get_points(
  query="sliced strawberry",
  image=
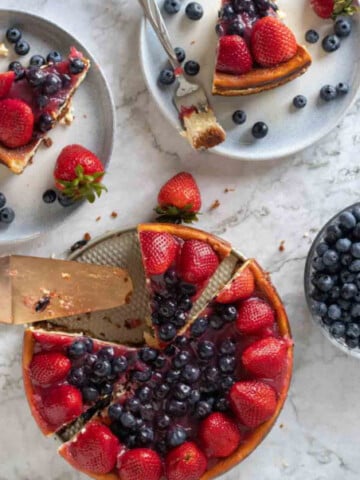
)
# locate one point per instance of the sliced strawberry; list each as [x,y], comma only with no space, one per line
[254,315]
[266,357]
[140,464]
[253,402]
[48,368]
[272,42]
[186,462]
[233,55]
[61,405]
[6,81]
[219,435]
[94,450]
[159,251]
[197,262]
[241,288]
[16,123]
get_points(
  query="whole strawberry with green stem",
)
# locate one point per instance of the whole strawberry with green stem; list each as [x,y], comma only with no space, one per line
[333,8]
[179,200]
[78,173]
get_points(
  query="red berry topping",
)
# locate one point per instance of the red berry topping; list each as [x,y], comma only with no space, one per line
[198,261]
[185,462]
[47,368]
[241,288]
[140,464]
[159,251]
[233,55]
[254,314]
[6,81]
[266,357]
[16,123]
[219,435]
[61,405]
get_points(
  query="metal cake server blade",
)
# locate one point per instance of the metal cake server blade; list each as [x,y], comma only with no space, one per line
[34,289]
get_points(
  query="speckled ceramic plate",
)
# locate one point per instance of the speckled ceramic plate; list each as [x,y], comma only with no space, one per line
[290,130]
[93,127]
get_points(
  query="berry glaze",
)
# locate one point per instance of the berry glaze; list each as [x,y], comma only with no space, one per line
[47,89]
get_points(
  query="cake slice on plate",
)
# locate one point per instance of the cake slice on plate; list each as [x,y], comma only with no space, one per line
[256,50]
[35,103]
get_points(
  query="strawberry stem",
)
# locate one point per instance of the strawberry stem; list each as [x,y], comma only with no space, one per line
[344,7]
[171,214]
[83,186]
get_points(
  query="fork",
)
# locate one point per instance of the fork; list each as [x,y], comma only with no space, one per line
[188,94]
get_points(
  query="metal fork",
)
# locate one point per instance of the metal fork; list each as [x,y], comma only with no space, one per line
[188,94]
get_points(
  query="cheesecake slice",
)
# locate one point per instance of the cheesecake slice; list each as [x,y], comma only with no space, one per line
[239,18]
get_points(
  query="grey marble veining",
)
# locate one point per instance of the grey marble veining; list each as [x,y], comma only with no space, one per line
[317,435]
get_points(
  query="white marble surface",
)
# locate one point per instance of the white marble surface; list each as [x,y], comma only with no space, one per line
[317,435]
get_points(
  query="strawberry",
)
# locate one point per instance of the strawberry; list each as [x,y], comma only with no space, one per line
[219,435]
[6,81]
[233,55]
[61,405]
[78,173]
[253,402]
[179,200]
[94,450]
[272,42]
[159,251]
[254,314]
[333,8]
[16,123]
[265,357]
[241,288]
[140,464]
[197,262]
[185,462]
[47,368]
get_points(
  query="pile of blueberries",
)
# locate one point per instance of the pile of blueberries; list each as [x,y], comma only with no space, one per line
[7,214]
[332,42]
[335,278]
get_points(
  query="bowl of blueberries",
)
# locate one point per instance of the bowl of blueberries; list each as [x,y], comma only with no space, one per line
[332,280]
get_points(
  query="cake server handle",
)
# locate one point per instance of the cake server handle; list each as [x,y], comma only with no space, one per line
[153,14]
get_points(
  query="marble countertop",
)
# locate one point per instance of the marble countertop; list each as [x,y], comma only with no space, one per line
[316,437]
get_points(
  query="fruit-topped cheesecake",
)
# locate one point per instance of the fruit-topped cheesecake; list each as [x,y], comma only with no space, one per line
[32,101]
[256,50]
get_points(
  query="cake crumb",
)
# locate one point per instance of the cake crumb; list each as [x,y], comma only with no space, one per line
[227,190]
[48,142]
[192,42]
[69,116]
[282,246]
[97,219]
[4,51]
[87,237]
[66,276]
[281,425]
[306,235]
[215,205]
[114,214]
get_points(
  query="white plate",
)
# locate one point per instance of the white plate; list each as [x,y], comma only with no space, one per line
[290,130]
[93,128]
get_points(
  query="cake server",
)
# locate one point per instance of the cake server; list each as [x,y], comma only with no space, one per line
[33,289]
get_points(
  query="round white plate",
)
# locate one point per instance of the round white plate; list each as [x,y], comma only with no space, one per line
[290,130]
[93,128]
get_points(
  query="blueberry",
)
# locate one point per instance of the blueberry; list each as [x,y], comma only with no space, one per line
[227,363]
[52,84]
[65,80]
[342,88]
[239,117]
[202,409]
[37,61]
[77,349]
[211,374]
[227,12]
[22,47]
[347,220]
[342,27]
[141,375]
[144,394]
[42,101]
[312,36]
[236,28]
[355,266]
[180,54]
[321,248]
[90,361]
[76,66]
[163,421]
[181,391]
[352,342]
[170,350]
[162,390]
[167,308]
[228,313]
[7,215]
[355,250]
[299,101]
[220,29]
[227,347]
[191,67]
[216,322]
[331,43]
[107,353]
[18,69]
[334,312]
[167,332]
[337,329]
[181,359]
[191,373]
[221,404]
[90,394]
[77,377]
[328,93]
[325,283]
[173,376]
[206,350]
[194,11]
[330,257]
[353,330]
[185,303]
[179,319]
[133,405]
[159,362]
[343,245]
[199,326]
[356,232]
[334,293]
[357,280]
[46,123]
[102,368]
[356,212]
[128,420]
[115,411]
[120,364]
[54,57]
[13,34]
[186,288]
[345,260]
[319,308]
[181,341]
[227,382]
[333,233]
[148,354]
[176,408]
[355,310]
[172,6]
[318,264]
[146,435]
[259,130]
[176,436]
[345,305]
[147,412]
[195,396]
[2,200]
[35,76]
[106,389]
